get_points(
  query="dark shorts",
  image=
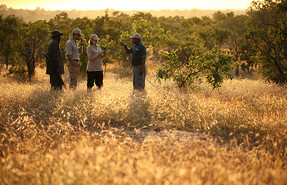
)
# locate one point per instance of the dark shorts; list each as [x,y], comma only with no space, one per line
[95,77]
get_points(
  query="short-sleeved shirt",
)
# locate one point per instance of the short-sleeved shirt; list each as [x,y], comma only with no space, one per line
[95,65]
[138,51]
[72,49]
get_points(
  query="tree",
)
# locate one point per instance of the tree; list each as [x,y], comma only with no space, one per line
[236,26]
[8,35]
[211,34]
[152,33]
[248,53]
[213,66]
[268,33]
[33,42]
[64,24]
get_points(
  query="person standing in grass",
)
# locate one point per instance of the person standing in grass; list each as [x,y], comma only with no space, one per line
[72,54]
[138,51]
[55,66]
[95,64]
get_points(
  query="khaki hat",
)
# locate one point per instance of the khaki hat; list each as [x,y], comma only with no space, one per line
[94,37]
[77,31]
[136,36]
[56,33]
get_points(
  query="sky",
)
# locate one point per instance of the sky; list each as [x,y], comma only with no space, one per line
[126,4]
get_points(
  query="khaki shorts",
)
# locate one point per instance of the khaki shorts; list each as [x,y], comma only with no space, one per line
[138,80]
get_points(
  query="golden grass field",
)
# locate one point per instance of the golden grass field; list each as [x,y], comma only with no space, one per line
[237,135]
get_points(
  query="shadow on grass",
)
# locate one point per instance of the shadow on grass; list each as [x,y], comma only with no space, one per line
[38,106]
[138,114]
[247,135]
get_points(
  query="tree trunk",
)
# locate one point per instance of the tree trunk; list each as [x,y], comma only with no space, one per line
[237,56]
[6,62]
[30,62]
[237,71]
[283,78]
[251,69]
[105,67]
[237,67]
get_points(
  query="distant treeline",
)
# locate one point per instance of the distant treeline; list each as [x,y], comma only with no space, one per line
[42,14]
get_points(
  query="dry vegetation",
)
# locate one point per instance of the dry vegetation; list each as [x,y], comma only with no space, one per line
[114,136]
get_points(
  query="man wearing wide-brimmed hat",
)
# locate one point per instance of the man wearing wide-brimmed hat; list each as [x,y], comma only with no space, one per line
[72,54]
[55,67]
[138,51]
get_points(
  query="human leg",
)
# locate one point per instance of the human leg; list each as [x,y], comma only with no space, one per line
[91,79]
[56,82]
[138,79]
[99,78]
[73,70]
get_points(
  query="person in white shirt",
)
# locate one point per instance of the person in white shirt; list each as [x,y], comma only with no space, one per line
[72,54]
[95,66]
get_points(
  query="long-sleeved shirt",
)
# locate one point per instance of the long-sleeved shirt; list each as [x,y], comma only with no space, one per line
[56,63]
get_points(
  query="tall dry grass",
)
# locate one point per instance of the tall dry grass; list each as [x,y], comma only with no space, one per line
[114,136]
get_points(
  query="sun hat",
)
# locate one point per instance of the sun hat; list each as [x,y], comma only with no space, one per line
[56,33]
[136,36]
[94,37]
[77,31]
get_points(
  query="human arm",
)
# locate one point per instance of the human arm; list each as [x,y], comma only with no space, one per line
[126,48]
[69,58]
[143,57]
[92,56]
[81,47]
[142,65]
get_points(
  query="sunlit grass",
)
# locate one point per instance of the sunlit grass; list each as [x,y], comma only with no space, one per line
[236,135]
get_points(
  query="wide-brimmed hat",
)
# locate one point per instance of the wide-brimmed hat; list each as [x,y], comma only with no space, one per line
[136,36]
[94,37]
[56,33]
[77,31]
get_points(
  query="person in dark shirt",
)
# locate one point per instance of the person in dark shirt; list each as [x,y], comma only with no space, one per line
[55,67]
[138,51]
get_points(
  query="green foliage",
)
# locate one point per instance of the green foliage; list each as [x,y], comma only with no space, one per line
[31,47]
[213,66]
[8,34]
[109,47]
[235,28]
[267,32]
[18,70]
[18,66]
